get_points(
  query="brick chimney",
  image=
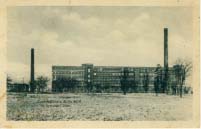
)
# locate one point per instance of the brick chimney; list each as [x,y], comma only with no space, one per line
[165,84]
[32,71]
[165,48]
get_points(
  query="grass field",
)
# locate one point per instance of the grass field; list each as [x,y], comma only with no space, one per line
[104,107]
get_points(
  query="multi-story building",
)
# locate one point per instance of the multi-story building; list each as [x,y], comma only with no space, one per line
[107,77]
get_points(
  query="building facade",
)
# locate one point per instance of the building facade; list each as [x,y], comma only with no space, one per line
[108,78]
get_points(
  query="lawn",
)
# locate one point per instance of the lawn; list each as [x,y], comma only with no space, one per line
[98,107]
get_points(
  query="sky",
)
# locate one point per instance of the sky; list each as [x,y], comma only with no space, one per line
[102,35]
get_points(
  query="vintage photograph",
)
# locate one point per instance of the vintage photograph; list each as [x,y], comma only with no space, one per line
[100,63]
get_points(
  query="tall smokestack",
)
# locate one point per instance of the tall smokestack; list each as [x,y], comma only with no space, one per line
[165,48]
[165,84]
[32,71]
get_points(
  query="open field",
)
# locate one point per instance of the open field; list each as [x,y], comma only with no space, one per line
[104,107]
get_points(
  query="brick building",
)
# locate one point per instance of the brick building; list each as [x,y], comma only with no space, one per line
[108,77]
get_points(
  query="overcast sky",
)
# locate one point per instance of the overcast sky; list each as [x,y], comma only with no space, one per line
[128,36]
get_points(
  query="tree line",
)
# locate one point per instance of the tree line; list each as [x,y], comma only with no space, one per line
[181,70]
[40,85]
[64,85]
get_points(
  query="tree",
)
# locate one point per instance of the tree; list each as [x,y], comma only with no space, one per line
[125,81]
[157,79]
[9,80]
[89,86]
[57,85]
[72,83]
[65,84]
[41,83]
[146,81]
[106,87]
[156,85]
[174,88]
[182,70]
[98,88]
[134,83]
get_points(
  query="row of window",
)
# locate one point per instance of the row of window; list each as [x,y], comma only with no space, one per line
[121,69]
[67,68]
[118,82]
[68,72]
[119,73]
[77,77]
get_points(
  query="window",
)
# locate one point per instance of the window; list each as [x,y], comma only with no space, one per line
[88,76]
[89,70]
[95,74]
[88,80]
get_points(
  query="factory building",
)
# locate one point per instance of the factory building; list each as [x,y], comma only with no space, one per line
[108,76]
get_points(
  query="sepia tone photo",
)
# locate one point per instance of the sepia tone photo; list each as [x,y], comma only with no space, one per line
[100,63]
